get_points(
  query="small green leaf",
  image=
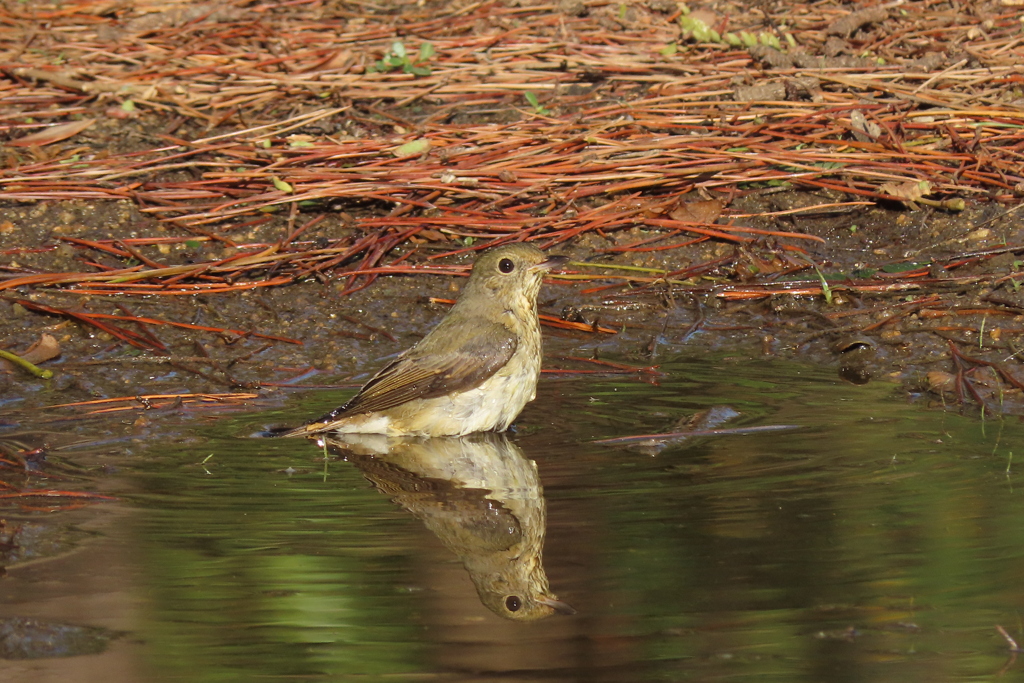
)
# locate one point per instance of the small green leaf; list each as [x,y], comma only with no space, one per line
[418,70]
[192,244]
[128,106]
[426,52]
[265,143]
[282,185]
[398,49]
[669,50]
[409,149]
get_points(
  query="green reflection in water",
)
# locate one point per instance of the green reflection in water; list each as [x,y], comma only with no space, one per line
[878,542]
[260,571]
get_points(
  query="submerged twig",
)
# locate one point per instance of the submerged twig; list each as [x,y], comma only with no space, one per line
[26,365]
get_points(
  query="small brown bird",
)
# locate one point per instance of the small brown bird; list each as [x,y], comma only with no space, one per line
[474,372]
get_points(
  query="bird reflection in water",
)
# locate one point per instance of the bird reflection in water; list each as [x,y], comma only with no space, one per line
[481,497]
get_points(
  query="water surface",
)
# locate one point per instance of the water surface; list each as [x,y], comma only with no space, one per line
[879,540]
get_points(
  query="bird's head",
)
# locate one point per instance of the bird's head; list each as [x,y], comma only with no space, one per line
[510,275]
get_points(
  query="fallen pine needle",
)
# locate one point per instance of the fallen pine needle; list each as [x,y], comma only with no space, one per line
[699,432]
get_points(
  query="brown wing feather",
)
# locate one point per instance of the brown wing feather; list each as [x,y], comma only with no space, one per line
[423,372]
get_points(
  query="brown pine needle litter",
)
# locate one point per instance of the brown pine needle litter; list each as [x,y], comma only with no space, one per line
[422,131]
[614,102]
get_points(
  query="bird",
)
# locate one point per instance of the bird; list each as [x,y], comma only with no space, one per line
[481,497]
[474,372]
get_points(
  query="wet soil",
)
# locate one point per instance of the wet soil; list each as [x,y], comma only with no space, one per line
[885,336]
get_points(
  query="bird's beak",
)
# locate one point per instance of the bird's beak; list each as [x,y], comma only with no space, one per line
[555,604]
[553,263]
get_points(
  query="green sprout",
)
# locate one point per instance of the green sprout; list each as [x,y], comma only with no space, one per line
[825,289]
[699,30]
[538,108]
[1013,282]
[398,58]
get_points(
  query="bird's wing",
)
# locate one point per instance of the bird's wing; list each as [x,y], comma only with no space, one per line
[426,371]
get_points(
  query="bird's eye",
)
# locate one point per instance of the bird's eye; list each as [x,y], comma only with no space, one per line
[506,266]
[512,603]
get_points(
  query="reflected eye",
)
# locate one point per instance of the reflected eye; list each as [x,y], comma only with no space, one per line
[505,265]
[512,603]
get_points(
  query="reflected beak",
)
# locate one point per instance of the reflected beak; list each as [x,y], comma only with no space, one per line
[555,604]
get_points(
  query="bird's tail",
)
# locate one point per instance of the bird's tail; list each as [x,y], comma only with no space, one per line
[304,430]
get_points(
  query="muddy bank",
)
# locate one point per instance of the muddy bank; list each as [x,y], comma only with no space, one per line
[872,324]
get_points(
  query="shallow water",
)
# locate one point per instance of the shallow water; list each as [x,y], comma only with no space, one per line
[877,540]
